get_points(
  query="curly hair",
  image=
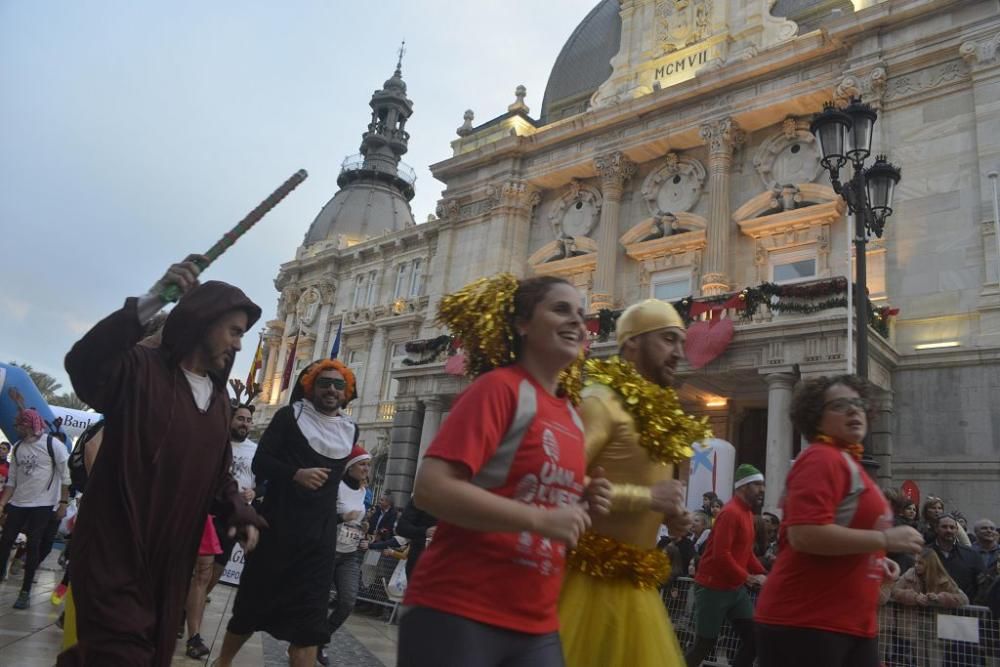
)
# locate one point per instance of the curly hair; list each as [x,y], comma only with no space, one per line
[309,378]
[806,411]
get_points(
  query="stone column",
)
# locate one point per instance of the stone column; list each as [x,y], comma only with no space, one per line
[722,137]
[404,448]
[779,436]
[432,422]
[513,202]
[615,170]
[880,434]
[272,341]
[286,345]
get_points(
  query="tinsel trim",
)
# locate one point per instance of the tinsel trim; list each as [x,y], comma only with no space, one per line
[481,315]
[606,558]
[665,430]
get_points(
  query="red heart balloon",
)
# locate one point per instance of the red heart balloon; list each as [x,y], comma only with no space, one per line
[455,364]
[707,339]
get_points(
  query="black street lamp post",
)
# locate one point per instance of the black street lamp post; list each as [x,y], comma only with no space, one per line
[846,136]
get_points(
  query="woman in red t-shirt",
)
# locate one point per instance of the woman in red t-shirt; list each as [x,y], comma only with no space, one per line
[505,476]
[819,604]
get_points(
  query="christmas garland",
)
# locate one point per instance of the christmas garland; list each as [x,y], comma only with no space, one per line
[428,349]
[806,299]
[665,431]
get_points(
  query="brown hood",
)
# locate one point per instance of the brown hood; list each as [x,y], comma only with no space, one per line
[194,314]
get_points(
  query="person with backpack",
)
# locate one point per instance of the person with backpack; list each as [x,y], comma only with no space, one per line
[505,477]
[285,585]
[36,491]
[819,604]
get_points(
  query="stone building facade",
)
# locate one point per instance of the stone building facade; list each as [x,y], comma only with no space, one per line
[672,157]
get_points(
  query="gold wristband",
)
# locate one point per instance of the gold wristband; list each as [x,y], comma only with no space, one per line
[630,498]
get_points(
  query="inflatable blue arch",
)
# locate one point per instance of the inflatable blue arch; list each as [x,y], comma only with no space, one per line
[18,391]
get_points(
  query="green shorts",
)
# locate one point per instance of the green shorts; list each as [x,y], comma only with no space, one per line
[712,608]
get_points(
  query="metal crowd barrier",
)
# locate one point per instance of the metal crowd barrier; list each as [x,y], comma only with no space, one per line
[375,578]
[908,636]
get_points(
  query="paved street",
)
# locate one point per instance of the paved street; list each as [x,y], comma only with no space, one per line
[31,638]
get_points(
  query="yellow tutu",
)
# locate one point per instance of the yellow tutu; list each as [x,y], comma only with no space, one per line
[69,621]
[611,623]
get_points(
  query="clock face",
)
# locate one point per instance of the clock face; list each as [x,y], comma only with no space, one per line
[579,219]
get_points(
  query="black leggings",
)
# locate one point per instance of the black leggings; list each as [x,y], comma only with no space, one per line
[32,522]
[782,646]
[429,637]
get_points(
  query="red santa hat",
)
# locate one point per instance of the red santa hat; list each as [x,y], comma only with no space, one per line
[358,454]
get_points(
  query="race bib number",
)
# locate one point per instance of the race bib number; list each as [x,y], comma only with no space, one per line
[350,534]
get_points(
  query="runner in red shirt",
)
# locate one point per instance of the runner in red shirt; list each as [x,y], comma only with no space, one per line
[819,604]
[505,475]
[727,568]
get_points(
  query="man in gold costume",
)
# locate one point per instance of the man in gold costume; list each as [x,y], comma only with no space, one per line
[610,609]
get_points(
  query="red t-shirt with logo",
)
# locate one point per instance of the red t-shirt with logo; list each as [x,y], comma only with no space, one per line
[833,593]
[510,580]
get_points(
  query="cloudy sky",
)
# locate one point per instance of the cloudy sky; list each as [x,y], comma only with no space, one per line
[133,133]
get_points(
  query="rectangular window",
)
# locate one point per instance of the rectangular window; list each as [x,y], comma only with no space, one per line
[416,278]
[402,276]
[792,266]
[359,291]
[372,288]
[355,360]
[395,356]
[670,285]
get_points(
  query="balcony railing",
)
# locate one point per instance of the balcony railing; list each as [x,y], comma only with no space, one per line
[357,162]
[386,411]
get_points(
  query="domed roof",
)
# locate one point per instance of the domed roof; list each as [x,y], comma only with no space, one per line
[359,212]
[584,62]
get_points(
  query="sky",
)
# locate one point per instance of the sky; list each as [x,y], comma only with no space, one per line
[134,133]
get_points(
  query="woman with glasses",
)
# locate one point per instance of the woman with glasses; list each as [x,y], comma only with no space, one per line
[819,605]
[285,585]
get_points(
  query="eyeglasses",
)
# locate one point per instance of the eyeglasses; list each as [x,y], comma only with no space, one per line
[339,384]
[843,405]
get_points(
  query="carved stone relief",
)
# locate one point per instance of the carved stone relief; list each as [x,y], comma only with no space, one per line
[308,306]
[680,23]
[577,212]
[789,156]
[870,87]
[674,187]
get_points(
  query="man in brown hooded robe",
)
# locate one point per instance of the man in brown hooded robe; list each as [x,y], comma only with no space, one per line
[163,466]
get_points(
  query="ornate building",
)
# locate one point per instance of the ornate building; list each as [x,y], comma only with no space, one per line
[672,157]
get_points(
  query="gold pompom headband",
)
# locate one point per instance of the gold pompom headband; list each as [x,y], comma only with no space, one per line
[481,316]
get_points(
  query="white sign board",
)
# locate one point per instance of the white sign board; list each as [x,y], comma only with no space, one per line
[958,628]
[234,568]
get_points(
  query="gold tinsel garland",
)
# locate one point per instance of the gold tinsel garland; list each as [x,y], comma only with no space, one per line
[665,430]
[481,316]
[606,558]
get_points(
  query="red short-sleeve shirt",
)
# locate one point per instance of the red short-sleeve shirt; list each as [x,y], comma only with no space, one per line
[834,593]
[510,580]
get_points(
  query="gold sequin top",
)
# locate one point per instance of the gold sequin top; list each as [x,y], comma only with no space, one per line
[612,443]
